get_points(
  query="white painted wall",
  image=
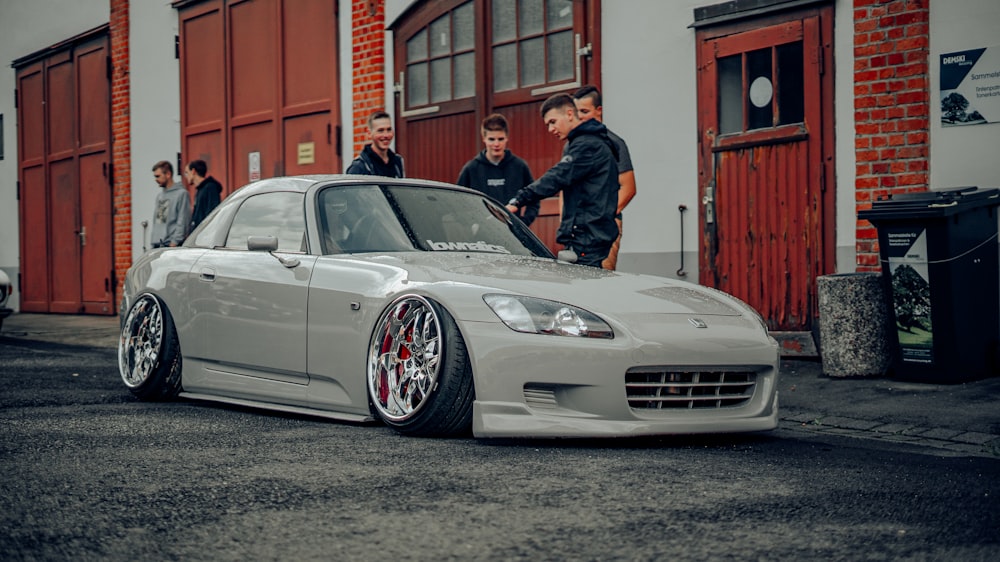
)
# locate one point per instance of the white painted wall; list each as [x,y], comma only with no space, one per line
[155,105]
[968,155]
[846,215]
[650,100]
[26,27]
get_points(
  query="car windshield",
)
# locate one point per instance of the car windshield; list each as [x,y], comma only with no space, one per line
[394,218]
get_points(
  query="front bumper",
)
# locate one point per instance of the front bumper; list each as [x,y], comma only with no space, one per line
[549,386]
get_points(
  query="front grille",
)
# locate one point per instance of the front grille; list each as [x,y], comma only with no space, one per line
[650,389]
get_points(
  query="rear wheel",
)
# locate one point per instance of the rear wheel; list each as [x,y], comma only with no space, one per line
[149,358]
[419,375]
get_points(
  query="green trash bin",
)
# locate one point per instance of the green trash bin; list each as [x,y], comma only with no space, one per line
[939,256]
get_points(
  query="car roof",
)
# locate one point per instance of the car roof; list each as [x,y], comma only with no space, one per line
[303,183]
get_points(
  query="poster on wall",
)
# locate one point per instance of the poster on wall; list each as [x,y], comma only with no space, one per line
[911,293]
[970,87]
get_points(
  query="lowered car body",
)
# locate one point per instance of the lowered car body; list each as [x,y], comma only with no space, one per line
[431,308]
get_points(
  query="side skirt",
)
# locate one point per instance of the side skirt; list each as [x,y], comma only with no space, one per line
[340,416]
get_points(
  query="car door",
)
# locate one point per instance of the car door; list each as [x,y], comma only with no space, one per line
[252,304]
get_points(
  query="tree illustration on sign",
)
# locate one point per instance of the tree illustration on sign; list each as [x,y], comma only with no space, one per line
[911,296]
[953,108]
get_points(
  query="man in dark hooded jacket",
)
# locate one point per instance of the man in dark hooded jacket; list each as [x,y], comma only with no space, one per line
[208,191]
[587,176]
[376,158]
[496,171]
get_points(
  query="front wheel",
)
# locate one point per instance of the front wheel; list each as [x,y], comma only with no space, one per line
[419,374]
[149,357]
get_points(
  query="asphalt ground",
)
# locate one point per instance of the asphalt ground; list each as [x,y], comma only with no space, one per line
[953,419]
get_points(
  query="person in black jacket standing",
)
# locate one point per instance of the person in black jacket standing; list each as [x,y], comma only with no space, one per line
[208,191]
[587,176]
[376,158]
[496,171]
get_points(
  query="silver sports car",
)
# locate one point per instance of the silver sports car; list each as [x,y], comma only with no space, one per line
[431,308]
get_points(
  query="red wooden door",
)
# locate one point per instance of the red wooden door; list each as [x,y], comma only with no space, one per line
[764,120]
[65,196]
[457,61]
[259,89]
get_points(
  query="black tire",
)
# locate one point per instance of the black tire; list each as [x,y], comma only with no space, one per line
[149,354]
[427,394]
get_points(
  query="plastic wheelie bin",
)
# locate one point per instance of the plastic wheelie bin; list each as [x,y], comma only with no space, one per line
[939,256]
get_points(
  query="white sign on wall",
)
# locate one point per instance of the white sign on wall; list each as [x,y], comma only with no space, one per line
[254,166]
[970,87]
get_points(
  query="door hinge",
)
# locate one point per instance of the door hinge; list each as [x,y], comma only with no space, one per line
[177,47]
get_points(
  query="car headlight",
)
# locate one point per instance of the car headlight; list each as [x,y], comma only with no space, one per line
[540,316]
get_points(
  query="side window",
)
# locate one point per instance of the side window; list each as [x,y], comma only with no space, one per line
[532,43]
[279,214]
[440,59]
[761,88]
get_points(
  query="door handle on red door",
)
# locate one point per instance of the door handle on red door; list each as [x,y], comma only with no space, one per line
[708,200]
[207,274]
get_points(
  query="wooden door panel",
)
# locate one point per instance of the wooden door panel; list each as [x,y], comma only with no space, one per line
[203,89]
[64,250]
[203,83]
[60,103]
[260,139]
[763,233]
[307,145]
[439,147]
[94,119]
[34,240]
[253,35]
[97,291]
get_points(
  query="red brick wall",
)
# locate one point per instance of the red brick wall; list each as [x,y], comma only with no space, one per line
[368,72]
[891,107]
[121,141]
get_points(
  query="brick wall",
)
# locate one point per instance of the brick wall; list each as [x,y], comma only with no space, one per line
[121,142]
[891,107]
[368,62]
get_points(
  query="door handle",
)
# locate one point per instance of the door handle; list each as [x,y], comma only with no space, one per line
[207,274]
[708,200]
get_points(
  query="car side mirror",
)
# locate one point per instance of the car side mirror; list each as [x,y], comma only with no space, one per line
[270,244]
[262,243]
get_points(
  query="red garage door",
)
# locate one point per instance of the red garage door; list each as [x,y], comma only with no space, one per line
[64,183]
[259,90]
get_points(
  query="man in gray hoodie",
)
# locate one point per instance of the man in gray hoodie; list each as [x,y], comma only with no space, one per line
[172,212]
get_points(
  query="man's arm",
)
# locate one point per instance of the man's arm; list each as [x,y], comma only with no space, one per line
[177,230]
[626,189]
[463,176]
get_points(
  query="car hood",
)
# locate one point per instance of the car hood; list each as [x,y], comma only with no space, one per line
[588,287]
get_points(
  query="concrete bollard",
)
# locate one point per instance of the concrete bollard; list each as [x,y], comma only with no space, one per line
[853,325]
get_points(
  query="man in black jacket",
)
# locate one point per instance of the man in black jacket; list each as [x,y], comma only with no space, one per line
[587,176]
[376,158]
[208,191]
[496,171]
